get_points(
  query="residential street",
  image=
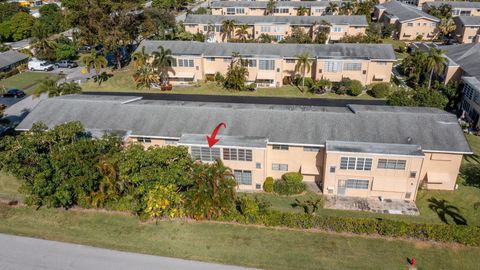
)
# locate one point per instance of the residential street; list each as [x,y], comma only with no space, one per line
[23,253]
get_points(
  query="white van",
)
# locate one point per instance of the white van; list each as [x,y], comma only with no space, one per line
[40,65]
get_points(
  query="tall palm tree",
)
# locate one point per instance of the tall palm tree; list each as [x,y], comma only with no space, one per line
[265,38]
[44,48]
[303,64]
[346,8]
[302,11]
[162,61]
[145,76]
[242,32]
[435,62]
[95,61]
[446,26]
[270,7]
[228,27]
[139,58]
[332,8]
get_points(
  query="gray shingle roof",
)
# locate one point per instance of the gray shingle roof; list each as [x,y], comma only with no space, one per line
[405,12]
[432,129]
[11,57]
[468,20]
[466,56]
[295,20]
[263,4]
[454,4]
[338,50]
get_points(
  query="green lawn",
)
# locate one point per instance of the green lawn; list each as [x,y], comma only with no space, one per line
[28,80]
[122,82]
[9,187]
[232,244]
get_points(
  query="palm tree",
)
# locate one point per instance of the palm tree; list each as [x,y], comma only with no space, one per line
[346,8]
[446,26]
[145,76]
[44,48]
[95,61]
[265,38]
[242,33]
[162,61]
[270,7]
[443,208]
[323,31]
[53,89]
[302,11]
[213,192]
[303,64]
[228,27]
[435,62]
[139,58]
[332,8]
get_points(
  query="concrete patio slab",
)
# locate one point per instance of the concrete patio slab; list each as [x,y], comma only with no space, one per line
[374,205]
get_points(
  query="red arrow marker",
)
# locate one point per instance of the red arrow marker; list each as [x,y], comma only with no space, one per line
[212,140]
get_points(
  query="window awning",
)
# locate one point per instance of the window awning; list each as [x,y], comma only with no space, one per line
[310,169]
[437,177]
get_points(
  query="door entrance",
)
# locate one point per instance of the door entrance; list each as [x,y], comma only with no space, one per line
[341,188]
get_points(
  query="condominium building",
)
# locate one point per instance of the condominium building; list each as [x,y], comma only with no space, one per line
[269,65]
[410,23]
[459,8]
[358,150]
[278,27]
[259,8]
[467,29]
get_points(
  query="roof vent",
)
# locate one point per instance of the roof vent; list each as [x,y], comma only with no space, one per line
[409,139]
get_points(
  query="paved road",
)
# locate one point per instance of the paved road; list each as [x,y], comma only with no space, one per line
[181,16]
[247,99]
[23,253]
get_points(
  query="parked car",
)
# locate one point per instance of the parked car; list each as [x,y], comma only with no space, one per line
[66,64]
[40,65]
[15,93]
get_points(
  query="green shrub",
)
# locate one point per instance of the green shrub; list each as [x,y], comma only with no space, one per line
[268,185]
[251,87]
[467,235]
[308,81]
[380,90]
[219,77]
[290,183]
[354,87]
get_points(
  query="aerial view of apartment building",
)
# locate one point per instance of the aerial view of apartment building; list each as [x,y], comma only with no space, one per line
[278,26]
[269,65]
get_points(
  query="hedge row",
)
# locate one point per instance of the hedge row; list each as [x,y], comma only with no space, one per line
[467,235]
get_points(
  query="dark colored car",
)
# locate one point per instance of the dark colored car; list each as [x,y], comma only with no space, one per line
[14,93]
[66,64]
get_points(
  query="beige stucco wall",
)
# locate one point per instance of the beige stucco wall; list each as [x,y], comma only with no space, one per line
[393,184]
[443,170]
[452,73]
[374,72]
[422,27]
[295,157]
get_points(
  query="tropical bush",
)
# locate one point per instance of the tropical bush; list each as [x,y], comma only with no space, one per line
[320,86]
[380,90]
[290,183]
[268,184]
[164,201]
[63,167]
[467,235]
